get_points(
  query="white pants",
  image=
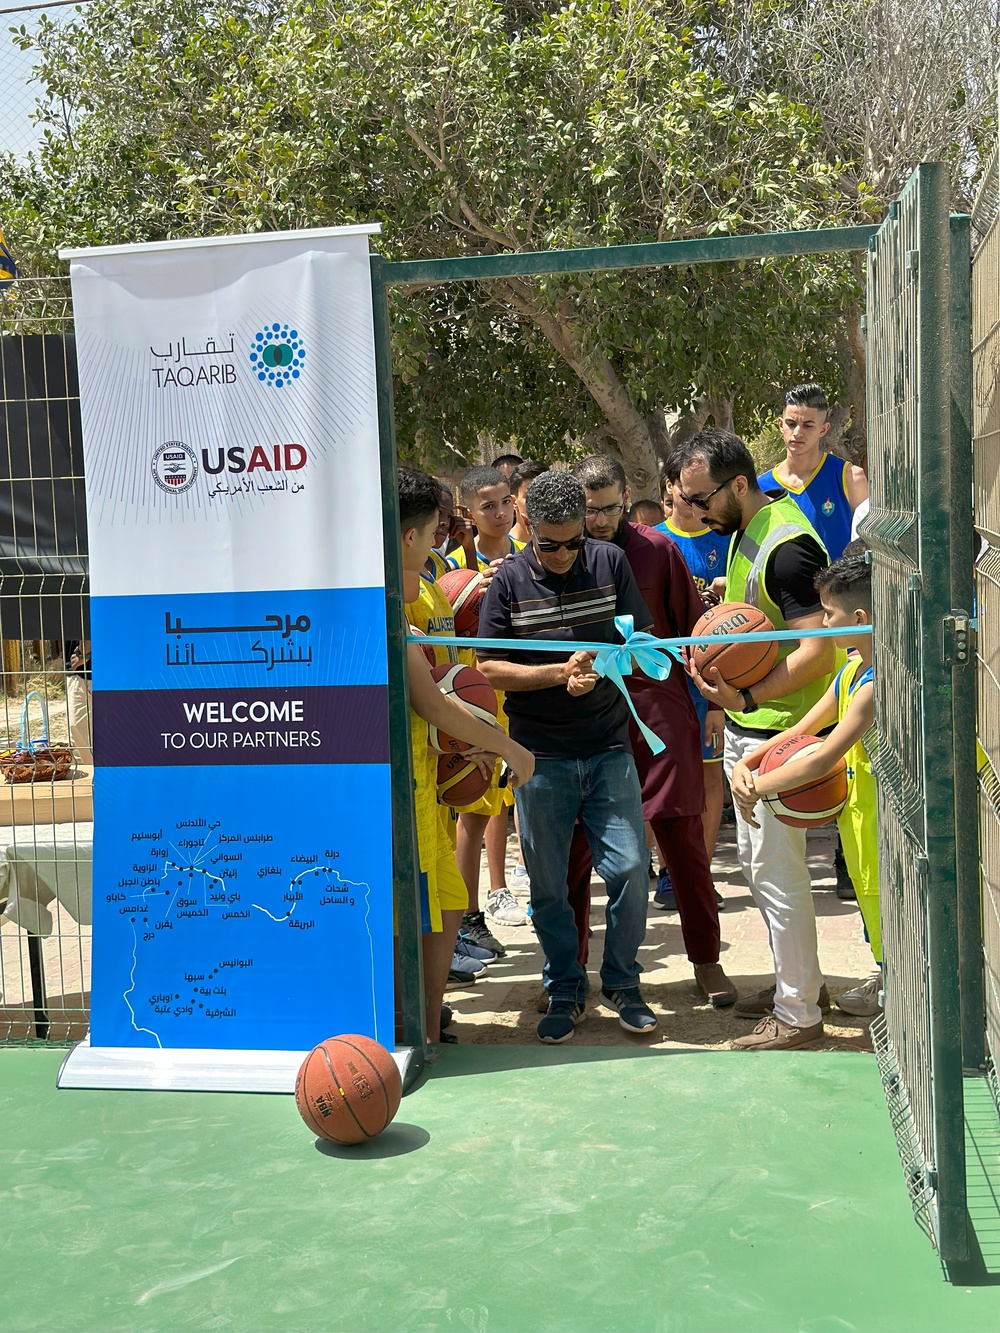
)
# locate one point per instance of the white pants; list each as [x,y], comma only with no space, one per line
[81,735]
[773,860]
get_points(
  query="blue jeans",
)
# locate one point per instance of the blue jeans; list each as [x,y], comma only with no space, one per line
[604,792]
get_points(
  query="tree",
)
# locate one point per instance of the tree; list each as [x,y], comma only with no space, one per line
[891,84]
[465,128]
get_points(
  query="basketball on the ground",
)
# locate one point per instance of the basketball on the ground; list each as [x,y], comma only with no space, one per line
[473,691]
[348,1089]
[814,803]
[739,664]
[464,588]
[461,782]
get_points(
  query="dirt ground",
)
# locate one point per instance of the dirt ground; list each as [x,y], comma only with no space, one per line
[501,1009]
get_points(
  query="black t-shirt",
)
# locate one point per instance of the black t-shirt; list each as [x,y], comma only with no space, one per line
[525,601]
[790,576]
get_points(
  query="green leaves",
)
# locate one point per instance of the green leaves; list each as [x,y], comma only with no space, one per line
[464,126]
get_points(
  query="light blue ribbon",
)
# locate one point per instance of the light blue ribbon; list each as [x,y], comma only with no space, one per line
[614,661]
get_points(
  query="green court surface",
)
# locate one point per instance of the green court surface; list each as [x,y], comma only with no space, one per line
[521,1189]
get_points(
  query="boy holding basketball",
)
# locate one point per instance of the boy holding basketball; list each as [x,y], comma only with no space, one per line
[845,590]
[486,501]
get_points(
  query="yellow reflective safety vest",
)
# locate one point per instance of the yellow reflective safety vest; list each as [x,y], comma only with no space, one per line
[778,522]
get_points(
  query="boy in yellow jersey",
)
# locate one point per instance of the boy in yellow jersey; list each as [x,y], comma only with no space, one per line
[431,613]
[447,899]
[485,500]
[845,589]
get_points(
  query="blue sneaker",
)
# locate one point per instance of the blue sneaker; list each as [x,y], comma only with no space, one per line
[560,1022]
[634,1014]
[663,898]
[466,949]
[467,967]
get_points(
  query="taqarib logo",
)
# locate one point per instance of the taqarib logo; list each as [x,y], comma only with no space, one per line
[175,468]
[277,355]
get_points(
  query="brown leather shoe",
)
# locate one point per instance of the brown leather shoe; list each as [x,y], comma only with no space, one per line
[771,1034]
[756,1006]
[715,985]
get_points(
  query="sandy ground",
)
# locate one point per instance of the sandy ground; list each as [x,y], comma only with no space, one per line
[501,1007]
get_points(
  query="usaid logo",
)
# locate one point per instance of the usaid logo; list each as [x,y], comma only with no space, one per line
[175,468]
[277,355]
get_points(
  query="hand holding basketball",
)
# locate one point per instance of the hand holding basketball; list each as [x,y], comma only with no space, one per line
[715,689]
[744,793]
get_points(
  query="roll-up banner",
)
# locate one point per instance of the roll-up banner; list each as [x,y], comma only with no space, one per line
[242,822]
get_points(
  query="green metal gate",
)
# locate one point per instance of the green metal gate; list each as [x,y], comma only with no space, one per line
[920,531]
[986,459]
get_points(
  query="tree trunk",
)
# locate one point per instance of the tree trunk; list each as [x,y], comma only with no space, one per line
[626,425]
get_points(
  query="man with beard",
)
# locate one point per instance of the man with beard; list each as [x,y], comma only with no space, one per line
[673,786]
[773,561]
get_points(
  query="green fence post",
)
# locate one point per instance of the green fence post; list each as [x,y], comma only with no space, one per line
[405,863]
[936,508]
[961,651]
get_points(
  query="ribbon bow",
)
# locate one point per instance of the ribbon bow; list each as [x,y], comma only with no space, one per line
[653,659]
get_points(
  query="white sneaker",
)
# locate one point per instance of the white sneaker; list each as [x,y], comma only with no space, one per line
[863,1001]
[520,882]
[503,908]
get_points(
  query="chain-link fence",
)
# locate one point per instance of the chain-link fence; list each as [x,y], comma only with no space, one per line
[46,829]
[986,456]
[912,320]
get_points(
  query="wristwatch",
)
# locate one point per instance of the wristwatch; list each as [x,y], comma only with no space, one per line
[750,704]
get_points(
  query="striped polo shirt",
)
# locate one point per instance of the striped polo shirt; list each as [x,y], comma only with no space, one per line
[525,601]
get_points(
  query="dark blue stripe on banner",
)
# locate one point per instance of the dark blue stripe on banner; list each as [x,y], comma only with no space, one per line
[337,724]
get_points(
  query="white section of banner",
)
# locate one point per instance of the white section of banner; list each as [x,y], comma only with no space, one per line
[229,413]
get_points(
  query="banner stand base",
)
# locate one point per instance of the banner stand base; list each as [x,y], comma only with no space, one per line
[156,1070]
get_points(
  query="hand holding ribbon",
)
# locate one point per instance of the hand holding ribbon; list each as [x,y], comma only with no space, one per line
[650,656]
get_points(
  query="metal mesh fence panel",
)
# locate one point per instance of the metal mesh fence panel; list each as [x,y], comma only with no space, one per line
[986,464]
[46,828]
[918,1040]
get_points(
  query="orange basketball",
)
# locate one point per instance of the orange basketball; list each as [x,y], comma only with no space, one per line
[814,803]
[460,782]
[348,1089]
[425,648]
[465,589]
[473,691]
[739,664]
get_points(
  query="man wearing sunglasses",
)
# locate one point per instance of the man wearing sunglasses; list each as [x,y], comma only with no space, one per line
[564,587]
[673,782]
[773,561]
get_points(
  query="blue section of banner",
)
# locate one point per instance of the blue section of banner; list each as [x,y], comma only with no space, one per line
[239,640]
[259,917]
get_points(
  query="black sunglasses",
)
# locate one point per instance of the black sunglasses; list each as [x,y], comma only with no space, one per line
[702,502]
[549,548]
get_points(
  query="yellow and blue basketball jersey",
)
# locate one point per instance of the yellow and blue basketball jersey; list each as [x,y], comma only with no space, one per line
[858,821]
[457,558]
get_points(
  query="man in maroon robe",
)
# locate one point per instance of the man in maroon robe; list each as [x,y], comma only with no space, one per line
[673,784]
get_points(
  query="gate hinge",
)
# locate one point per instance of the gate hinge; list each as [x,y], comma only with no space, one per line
[912,261]
[914,581]
[920,863]
[956,638]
